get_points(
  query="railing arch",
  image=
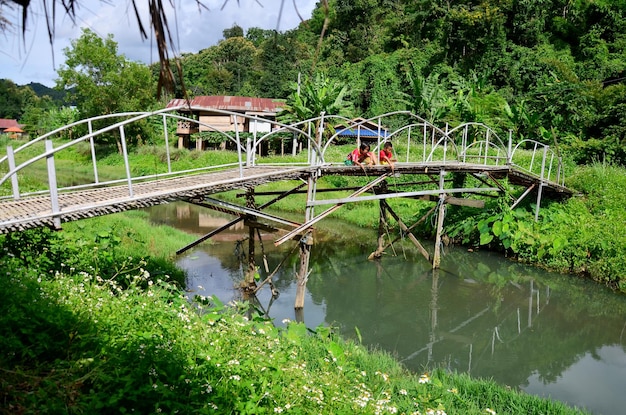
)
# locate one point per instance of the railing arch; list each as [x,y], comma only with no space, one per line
[468,142]
[539,157]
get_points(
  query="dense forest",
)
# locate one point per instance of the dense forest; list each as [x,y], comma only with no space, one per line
[548,70]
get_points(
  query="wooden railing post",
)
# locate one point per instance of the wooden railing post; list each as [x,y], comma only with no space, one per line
[238,146]
[92,145]
[167,144]
[509,156]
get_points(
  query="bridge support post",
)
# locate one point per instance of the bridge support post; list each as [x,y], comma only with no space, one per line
[382,226]
[303,272]
[249,282]
[440,216]
[306,241]
[382,222]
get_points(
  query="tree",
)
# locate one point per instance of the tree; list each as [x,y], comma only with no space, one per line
[279,60]
[428,97]
[314,97]
[317,96]
[102,82]
[375,83]
[237,56]
[45,117]
[14,99]
[235,31]
[10,100]
[257,35]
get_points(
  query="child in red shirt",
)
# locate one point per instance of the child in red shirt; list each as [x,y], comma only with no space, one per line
[386,154]
[362,155]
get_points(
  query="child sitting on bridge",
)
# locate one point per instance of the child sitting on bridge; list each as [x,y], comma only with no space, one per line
[360,156]
[386,154]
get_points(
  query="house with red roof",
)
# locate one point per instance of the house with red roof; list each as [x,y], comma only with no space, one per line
[203,109]
[7,123]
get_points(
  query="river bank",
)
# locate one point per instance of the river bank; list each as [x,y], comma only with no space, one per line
[77,342]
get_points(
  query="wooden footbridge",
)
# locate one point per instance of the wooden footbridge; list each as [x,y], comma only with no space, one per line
[426,152]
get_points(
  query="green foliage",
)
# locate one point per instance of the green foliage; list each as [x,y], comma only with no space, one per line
[12,100]
[35,248]
[280,60]
[43,118]
[575,237]
[428,97]
[375,82]
[108,247]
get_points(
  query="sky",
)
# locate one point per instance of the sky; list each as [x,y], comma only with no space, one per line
[33,59]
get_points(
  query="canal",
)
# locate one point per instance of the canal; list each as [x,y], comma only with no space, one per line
[548,334]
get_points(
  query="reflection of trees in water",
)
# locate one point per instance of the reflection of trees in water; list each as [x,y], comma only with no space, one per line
[482,314]
[492,318]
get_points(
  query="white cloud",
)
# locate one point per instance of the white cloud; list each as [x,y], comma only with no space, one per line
[193,29]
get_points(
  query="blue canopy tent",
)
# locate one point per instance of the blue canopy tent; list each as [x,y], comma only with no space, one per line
[363,131]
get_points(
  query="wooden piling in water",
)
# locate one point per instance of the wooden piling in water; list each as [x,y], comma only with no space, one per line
[382,223]
[382,227]
[249,282]
[306,242]
[440,216]
[405,229]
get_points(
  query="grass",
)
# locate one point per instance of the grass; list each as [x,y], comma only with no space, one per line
[137,234]
[75,343]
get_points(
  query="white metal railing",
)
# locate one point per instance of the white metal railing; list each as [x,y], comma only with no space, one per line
[422,141]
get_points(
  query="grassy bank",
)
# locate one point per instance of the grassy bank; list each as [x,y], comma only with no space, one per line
[77,340]
[580,235]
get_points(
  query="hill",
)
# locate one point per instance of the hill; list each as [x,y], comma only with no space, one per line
[41,90]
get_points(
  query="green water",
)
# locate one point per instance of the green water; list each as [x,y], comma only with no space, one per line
[548,334]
